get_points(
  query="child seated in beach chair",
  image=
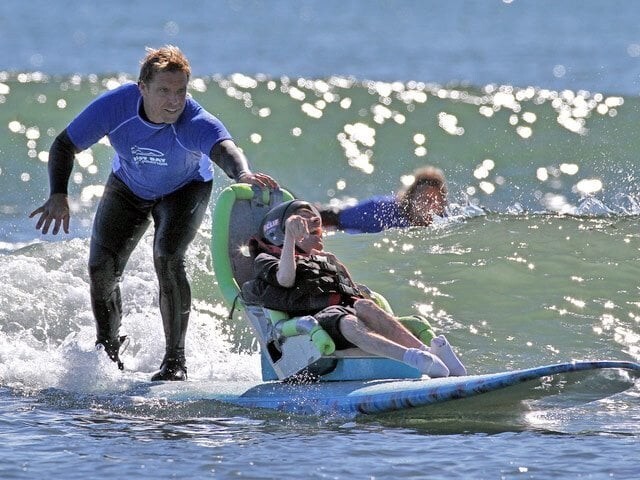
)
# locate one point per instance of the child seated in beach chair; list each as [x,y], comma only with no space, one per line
[295,275]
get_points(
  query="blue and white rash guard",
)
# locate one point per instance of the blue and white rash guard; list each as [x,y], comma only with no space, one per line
[153,160]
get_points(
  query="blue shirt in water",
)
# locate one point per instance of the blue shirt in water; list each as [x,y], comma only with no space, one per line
[373,215]
[152,159]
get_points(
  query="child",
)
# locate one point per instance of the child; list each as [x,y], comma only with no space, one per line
[295,275]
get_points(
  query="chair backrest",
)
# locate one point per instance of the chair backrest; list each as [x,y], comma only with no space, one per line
[238,212]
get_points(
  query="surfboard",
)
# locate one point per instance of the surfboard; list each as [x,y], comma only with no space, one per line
[364,397]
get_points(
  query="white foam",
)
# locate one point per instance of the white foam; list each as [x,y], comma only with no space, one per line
[48,332]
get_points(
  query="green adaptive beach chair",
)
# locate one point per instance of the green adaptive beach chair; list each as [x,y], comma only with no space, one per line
[288,346]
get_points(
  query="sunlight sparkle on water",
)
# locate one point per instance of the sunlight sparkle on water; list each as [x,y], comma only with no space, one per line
[487,187]
[16,127]
[420,152]
[243,81]
[569,168]
[419,138]
[296,93]
[362,133]
[575,302]
[449,123]
[350,140]
[399,118]
[407,247]
[413,96]
[311,110]
[113,83]
[424,308]
[505,99]
[542,174]
[524,132]
[589,186]
[84,158]
[90,192]
[486,111]
[381,113]
[482,170]
[198,84]
[407,180]
[556,203]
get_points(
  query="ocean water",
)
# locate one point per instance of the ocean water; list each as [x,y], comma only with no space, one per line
[530,108]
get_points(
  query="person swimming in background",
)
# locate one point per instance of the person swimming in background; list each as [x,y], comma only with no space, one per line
[294,274]
[413,206]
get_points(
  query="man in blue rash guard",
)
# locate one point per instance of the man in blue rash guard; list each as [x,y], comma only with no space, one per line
[414,206]
[162,170]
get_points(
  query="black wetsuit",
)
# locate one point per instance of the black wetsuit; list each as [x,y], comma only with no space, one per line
[121,220]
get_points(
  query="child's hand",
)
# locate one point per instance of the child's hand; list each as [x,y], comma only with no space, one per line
[297,227]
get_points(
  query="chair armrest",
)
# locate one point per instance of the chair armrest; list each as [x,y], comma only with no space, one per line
[306,325]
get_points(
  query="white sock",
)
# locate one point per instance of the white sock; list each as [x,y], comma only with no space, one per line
[440,346]
[425,362]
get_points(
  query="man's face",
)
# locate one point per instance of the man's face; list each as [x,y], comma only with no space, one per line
[165,96]
[428,200]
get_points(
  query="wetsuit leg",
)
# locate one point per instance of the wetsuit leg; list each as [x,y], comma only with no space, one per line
[120,221]
[177,218]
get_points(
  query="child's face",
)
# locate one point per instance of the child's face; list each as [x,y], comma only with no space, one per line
[312,241]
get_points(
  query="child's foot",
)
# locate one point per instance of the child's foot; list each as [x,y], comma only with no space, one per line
[425,362]
[440,347]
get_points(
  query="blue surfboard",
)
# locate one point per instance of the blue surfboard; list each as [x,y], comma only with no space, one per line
[364,397]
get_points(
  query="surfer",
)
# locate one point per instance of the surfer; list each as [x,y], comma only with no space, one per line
[415,205]
[294,274]
[164,143]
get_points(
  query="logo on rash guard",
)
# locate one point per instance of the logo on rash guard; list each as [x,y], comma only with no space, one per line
[150,156]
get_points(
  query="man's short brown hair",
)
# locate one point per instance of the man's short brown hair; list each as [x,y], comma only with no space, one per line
[165,59]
